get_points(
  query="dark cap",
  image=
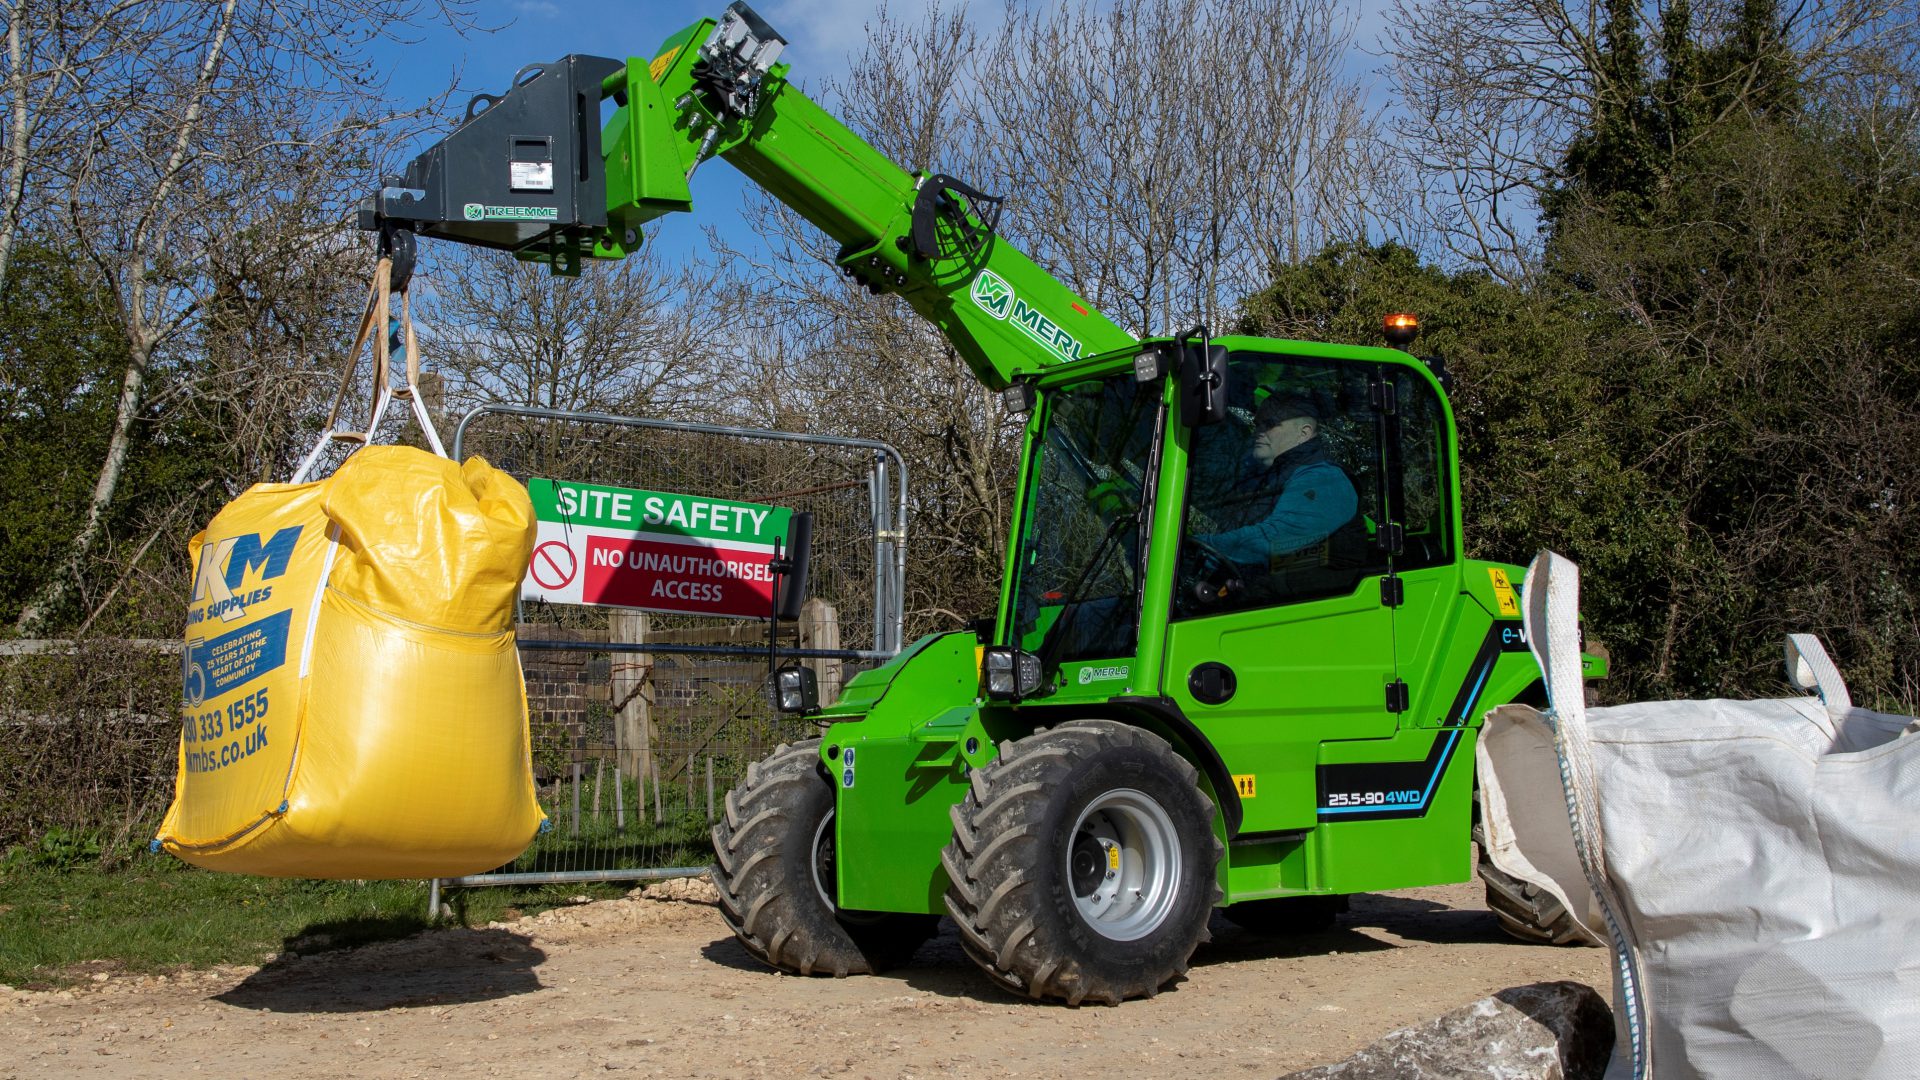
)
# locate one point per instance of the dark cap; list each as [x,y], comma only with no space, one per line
[1282,407]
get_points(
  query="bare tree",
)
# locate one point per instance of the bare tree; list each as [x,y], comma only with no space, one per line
[198,123]
[1164,172]
[624,337]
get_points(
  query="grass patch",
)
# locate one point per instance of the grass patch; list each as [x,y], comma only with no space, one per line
[153,914]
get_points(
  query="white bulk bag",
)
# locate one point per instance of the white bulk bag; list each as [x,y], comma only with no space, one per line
[1753,863]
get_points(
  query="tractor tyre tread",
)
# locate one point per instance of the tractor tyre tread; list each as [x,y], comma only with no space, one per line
[997,892]
[1526,911]
[763,859]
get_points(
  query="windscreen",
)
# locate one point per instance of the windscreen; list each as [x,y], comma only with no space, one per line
[1078,561]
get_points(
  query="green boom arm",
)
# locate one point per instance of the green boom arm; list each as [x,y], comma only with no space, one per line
[715,90]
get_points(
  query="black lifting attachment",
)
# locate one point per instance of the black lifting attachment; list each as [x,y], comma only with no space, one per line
[397,243]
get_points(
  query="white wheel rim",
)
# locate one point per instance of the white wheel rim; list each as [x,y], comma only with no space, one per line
[1127,840]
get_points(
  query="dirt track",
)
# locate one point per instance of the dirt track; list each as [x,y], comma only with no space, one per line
[655,985]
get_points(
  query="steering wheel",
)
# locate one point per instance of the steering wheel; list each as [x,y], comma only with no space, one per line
[1207,578]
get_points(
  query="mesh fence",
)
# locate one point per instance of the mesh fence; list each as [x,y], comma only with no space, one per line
[635,745]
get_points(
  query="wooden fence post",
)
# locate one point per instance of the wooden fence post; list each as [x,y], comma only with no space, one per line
[820,629]
[633,690]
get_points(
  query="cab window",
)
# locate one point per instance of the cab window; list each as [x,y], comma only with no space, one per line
[1284,496]
[1428,537]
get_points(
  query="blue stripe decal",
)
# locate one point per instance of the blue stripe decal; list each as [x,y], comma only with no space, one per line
[1467,710]
[1445,756]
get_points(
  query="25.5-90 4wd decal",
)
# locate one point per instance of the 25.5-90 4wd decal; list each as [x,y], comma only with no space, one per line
[1386,789]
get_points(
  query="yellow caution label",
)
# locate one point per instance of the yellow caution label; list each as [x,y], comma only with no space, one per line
[660,63]
[1113,857]
[1243,783]
[1503,591]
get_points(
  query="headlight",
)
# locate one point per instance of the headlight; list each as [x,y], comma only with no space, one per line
[1011,674]
[1149,365]
[796,689]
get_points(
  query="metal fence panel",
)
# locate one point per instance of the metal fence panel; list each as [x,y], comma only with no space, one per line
[642,722]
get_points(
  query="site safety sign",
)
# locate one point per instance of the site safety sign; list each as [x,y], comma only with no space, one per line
[654,550]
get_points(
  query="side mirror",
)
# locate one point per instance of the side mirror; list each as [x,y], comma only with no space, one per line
[1203,384]
[793,580]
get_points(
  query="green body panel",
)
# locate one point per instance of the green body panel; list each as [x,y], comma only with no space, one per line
[1394,854]
[646,172]
[907,768]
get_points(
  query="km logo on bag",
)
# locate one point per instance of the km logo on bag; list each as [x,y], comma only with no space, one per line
[223,569]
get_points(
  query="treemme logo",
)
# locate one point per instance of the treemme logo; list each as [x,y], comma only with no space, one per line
[223,569]
[993,295]
[474,211]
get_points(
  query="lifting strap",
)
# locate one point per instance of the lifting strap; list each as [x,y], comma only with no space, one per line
[373,324]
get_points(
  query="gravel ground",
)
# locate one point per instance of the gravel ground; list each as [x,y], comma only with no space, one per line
[654,985]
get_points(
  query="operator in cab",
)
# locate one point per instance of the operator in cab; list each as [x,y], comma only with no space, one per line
[1311,497]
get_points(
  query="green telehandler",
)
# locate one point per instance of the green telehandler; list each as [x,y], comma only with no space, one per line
[1239,658]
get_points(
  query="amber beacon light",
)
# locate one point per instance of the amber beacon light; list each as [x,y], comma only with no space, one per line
[1400,328]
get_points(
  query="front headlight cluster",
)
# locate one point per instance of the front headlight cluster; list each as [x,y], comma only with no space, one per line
[796,689]
[1011,674]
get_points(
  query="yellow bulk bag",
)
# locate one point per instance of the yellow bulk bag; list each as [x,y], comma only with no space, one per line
[354,705]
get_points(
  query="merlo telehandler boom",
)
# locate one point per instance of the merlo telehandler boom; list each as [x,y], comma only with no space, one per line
[1239,659]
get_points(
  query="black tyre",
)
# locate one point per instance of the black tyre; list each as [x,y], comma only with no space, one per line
[1286,915]
[1526,911]
[774,869]
[1082,864]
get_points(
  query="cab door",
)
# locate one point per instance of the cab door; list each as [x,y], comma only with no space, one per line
[1421,493]
[1271,659]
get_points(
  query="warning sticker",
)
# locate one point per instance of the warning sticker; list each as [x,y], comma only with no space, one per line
[1503,594]
[530,175]
[1243,783]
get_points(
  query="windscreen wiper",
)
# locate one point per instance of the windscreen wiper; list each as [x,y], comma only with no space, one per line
[1072,603]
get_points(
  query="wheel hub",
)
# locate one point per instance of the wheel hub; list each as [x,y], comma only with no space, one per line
[1123,865]
[1088,862]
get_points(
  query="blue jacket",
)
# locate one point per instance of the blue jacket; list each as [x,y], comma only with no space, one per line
[1314,499]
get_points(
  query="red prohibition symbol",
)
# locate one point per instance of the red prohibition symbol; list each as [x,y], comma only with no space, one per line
[553,565]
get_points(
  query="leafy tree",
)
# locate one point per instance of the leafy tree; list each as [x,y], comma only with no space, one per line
[1766,355]
[61,351]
